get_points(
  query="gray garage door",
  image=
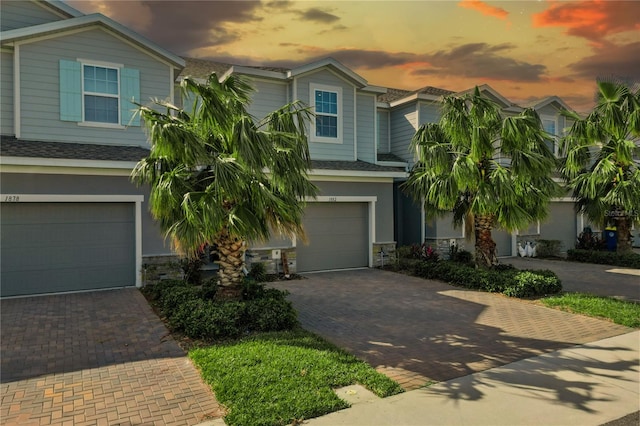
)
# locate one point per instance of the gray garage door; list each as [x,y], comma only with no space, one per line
[338,237]
[560,225]
[55,247]
[502,239]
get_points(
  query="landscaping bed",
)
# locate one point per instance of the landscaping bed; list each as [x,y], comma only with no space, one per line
[262,366]
[460,272]
[629,260]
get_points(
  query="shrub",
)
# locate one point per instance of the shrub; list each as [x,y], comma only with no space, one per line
[424,252]
[191,268]
[174,297]
[200,318]
[460,256]
[548,248]
[404,252]
[587,240]
[210,288]
[258,272]
[630,260]
[502,279]
[192,310]
[270,314]
[155,291]
[533,283]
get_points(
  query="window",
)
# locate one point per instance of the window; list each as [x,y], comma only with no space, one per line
[326,103]
[549,125]
[326,114]
[101,94]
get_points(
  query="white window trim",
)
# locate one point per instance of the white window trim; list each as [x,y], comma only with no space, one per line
[556,136]
[100,64]
[340,116]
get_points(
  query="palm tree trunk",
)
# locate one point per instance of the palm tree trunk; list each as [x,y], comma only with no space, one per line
[623,228]
[485,246]
[230,250]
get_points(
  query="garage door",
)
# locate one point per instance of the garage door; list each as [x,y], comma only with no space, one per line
[338,236]
[560,225]
[55,247]
[502,239]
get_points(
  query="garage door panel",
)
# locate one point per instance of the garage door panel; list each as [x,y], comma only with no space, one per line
[54,247]
[338,237]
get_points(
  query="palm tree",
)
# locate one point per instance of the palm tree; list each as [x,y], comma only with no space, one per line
[602,163]
[488,170]
[218,177]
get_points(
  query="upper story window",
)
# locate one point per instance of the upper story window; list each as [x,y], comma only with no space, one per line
[101,93]
[326,103]
[550,126]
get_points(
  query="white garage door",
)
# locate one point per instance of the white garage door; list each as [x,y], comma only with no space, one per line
[56,247]
[338,236]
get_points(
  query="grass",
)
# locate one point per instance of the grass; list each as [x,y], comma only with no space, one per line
[283,377]
[619,311]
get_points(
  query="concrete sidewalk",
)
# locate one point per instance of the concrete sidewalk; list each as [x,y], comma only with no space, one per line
[589,384]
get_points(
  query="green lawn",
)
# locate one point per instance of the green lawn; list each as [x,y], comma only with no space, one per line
[277,378]
[618,311]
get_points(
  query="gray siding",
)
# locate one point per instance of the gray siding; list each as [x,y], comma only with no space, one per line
[383,131]
[20,14]
[366,125]
[39,86]
[6,93]
[404,123]
[331,151]
[22,183]
[268,97]
[548,110]
[429,113]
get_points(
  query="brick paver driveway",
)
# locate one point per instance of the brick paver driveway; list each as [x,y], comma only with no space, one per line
[98,358]
[417,330]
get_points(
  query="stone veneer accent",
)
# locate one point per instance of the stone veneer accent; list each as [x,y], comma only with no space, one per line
[263,255]
[441,245]
[387,256]
[157,268]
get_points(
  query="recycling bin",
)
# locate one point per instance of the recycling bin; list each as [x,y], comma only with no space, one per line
[611,238]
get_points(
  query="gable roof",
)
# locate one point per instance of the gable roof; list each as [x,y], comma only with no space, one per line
[53,29]
[202,68]
[60,7]
[397,96]
[541,103]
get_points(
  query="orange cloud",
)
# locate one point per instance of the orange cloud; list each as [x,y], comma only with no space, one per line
[484,8]
[592,19]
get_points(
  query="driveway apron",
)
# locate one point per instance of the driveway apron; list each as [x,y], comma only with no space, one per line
[96,358]
[418,331]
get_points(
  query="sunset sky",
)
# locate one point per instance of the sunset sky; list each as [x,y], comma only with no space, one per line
[524,49]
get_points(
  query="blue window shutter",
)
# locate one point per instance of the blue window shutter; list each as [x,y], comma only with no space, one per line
[70,90]
[129,90]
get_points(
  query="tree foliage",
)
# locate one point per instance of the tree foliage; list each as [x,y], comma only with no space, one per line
[602,159]
[489,170]
[219,176]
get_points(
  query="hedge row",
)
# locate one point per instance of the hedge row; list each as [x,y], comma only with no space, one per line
[504,279]
[630,260]
[192,310]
